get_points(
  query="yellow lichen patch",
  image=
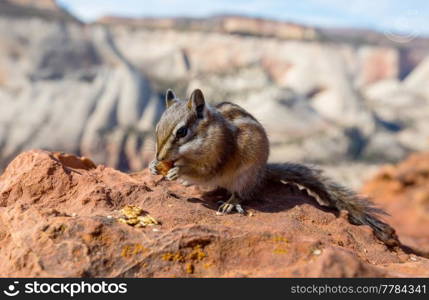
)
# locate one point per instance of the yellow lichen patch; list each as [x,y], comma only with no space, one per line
[280,250]
[190,268]
[280,239]
[197,253]
[132,211]
[132,250]
[208,265]
[176,257]
[281,243]
[136,216]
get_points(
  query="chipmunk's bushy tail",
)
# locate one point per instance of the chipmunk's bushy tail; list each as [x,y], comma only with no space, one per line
[328,193]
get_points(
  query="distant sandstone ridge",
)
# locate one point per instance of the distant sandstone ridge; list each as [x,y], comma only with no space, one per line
[44,4]
[46,9]
[224,24]
[410,54]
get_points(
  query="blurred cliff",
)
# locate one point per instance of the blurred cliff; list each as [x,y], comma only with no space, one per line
[66,86]
[324,95]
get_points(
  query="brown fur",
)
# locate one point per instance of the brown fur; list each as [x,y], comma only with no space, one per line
[231,111]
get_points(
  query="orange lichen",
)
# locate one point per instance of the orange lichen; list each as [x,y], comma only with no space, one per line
[281,242]
[176,257]
[280,250]
[208,265]
[280,239]
[190,268]
[197,253]
[132,250]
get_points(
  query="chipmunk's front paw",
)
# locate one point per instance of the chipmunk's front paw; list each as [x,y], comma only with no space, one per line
[152,167]
[173,174]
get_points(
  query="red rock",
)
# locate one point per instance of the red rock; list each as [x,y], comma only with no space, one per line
[403,190]
[59,219]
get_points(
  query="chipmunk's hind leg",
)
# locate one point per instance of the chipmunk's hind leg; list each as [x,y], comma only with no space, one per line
[232,203]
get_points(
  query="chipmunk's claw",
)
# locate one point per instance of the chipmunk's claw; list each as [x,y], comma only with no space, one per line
[228,206]
[173,174]
[152,167]
[239,209]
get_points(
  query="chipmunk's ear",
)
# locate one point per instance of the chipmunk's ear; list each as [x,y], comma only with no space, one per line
[170,97]
[197,103]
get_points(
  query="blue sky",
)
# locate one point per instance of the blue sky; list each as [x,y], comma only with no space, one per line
[399,16]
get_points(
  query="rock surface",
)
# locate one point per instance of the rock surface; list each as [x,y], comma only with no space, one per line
[58,218]
[403,190]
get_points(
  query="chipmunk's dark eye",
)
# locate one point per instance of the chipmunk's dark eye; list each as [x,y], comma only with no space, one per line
[181,132]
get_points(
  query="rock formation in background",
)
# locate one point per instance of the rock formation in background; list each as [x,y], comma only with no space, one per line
[225,24]
[66,87]
[309,94]
[46,9]
[403,190]
[324,96]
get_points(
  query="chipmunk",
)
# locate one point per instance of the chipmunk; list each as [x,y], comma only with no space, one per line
[225,146]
